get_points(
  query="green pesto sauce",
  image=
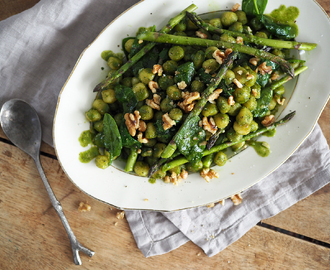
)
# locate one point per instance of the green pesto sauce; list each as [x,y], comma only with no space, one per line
[288,16]
[107,54]
[89,154]
[270,133]
[262,148]
[152,180]
[85,138]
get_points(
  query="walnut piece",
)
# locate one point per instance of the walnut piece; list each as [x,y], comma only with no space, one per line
[140,41]
[274,76]
[209,125]
[254,92]
[237,199]
[231,101]
[184,174]
[142,126]
[211,205]
[190,97]
[141,139]
[182,85]
[238,84]
[235,7]
[174,178]
[201,34]
[219,56]
[222,202]
[168,122]
[254,61]
[228,51]
[187,108]
[132,122]
[249,76]
[268,120]
[157,69]
[84,207]
[211,98]
[263,68]
[209,174]
[154,102]
[153,86]
[239,40]
[280,101]
[120,215]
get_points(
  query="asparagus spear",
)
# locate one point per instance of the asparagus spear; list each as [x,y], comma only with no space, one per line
[166,29]
[217,148]
[182,40]
[170,149]
[131,160]
[275,43]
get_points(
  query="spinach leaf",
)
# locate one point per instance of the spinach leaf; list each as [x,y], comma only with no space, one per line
[112,138]
[123,45]
[126,96]
[254,7]
[163,135]
[263,102]
[227,90]
[283,31]
[185,73]
[204,77]
[163,56]
[127,140]
[262,80]
[189,140]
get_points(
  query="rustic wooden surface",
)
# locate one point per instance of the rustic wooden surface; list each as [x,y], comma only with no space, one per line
[32,236]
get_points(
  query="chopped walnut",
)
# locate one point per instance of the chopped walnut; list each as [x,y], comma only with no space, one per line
[207,70]
[157,69]
[263,68]
[201,34]
[274,76]
[139,151]
[84,207]
[228,51]
[235,7]
[239,40]
[209,174]
[237,199]
[142,126]
[222,202]
[239,72]
[254,61]
[156,98]
[249,76]
[219,56]
[190,97]
[132,122]
[211,205]
[209,125]
[141,139]
[187,108]
[268,120]
[254,92]
[153,86]
[168,121]
[140,41]
[214,95]
[184,174]
[200,123]
[280,101]
[231,101]
[238,84]
[120,215]
[154,103]
[174,178]
[182,85]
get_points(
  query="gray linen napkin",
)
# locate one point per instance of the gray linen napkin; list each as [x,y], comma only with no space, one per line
[38,49]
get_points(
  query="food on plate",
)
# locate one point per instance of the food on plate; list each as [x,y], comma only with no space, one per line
[179,97]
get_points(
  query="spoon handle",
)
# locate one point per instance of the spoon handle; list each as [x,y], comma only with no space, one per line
[76,246]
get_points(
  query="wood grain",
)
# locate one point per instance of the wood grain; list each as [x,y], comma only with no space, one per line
[11,7]
[32,236]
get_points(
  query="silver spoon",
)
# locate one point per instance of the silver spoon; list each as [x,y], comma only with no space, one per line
[20,123]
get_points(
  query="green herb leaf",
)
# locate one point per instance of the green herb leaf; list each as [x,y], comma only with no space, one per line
[185,73]
[254,7]
[263,102]
[164,135]
[112,138]
[126,96]
[126,138]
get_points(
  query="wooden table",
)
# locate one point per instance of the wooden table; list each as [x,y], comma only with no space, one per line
[32,236]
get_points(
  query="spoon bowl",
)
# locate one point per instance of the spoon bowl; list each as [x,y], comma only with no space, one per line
[21,124]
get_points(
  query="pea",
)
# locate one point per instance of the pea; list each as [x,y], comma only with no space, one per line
[197,86]
[198,59]
[209,109]
[261,34]
[241,17]
[194,168]
[256,24]
[216,22]
[118,118]
[221,120]
[244,116]
[135,81]
[242,95]
[127,81]
[128,45]
[240,74]
[220,158]
[102,161]
[176,114]
[234,109]
[254,126]
[233,136]
[176,53]
[151,143]
[191,25]
[174,92]
[93,115]
[166,105]
[165,81]
[223,104]
[228,18]
[237,146]
[209,52]
[141,168]
[188,53]
[278,52]
[211,65]
[151,132]
[114,62]
[98,126]
[146,112]
[272,104]
[176,170]
[146,75]
[150,160]
[170,66]
[251,104]
[159,174]
[140,91]
[181,26]
[109,96]
[242,129]
[158,149]
[101,106]
[227,38]
[146,152]
[279,90]
[236,27]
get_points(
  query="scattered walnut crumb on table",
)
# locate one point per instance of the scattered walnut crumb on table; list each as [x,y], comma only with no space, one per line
[120,215]
[84,207]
